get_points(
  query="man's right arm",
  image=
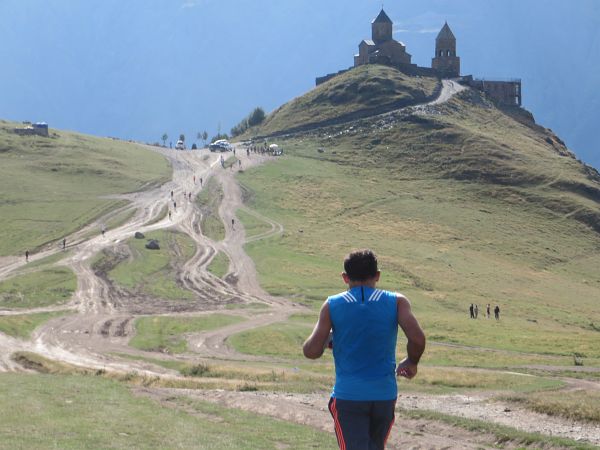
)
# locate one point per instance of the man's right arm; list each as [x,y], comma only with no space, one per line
[415,336]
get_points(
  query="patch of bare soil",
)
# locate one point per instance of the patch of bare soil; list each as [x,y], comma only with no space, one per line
[311,410]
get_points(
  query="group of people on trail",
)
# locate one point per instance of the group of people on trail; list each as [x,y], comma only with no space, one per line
[361,325]
[474,311]
[260,149]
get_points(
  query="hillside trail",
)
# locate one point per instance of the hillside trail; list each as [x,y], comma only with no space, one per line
[103,315]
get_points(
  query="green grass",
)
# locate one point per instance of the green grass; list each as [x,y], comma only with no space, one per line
[574,405]
[280,339]
[21,326]
[166,334]
[285,340]
[152,272]
[219,265]
[439,380]
[209,200]
[477,248]
[119,219]
[362,89]
[76,172]
[48,286]
[215,375]
[253,225]
[85,412]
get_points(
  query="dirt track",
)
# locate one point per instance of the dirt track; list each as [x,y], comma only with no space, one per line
[102,320]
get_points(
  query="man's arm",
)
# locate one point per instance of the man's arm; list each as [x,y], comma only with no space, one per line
[315,344]
[416,338]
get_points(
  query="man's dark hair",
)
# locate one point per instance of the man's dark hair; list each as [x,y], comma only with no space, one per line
[360,265]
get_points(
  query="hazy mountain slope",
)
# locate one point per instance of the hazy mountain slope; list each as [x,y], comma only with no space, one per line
[52,186]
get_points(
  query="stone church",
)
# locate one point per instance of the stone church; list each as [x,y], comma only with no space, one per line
[382,48]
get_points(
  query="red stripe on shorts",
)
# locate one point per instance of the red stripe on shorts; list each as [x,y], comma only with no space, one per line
[338,427]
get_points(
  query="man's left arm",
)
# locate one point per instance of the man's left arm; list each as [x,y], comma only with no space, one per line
[315,345]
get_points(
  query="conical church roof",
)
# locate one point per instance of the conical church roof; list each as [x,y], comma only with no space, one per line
[382,18]
[445,33]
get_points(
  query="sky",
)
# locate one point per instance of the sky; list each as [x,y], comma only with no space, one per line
[137,69]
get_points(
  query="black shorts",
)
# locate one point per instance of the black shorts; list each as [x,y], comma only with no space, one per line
[362,425]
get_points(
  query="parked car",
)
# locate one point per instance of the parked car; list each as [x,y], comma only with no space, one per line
[180,145]
[275,150]
[222,145]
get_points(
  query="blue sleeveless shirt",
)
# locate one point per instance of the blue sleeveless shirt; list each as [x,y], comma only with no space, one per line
[365,330]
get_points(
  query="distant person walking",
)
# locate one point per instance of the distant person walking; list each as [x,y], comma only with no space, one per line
[472,311]
[497,312]
[487,310]
[200,181]
[175,206]
[26,255]
[476,311]
[361,326]
[171,194]
[232,223]
[64,243]
[103,230]
[189,196]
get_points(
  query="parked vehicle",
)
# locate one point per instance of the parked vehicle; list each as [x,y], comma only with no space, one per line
[222,145]
[275,150]
[180,145]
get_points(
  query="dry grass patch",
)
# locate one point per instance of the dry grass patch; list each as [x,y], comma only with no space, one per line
[575,405]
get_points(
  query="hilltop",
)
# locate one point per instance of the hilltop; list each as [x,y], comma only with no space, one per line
[467,138]
[361,92]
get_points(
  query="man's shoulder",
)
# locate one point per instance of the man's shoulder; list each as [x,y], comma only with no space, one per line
[376,295]
[341,297]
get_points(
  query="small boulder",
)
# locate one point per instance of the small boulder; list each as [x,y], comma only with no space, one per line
[152,244]
[139,235]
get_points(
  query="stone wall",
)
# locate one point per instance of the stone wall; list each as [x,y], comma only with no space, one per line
[505,92]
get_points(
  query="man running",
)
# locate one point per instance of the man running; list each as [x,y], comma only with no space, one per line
[364,323]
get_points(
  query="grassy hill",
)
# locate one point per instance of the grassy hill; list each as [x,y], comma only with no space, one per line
[464,203]
[52,186]
[358,93]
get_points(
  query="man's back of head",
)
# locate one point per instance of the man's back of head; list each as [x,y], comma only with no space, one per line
[361,265]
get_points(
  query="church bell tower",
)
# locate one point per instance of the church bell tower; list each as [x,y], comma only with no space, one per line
[445,61]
